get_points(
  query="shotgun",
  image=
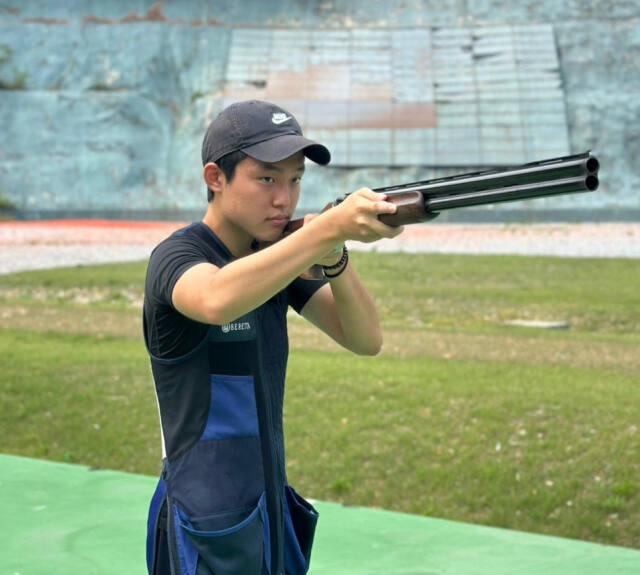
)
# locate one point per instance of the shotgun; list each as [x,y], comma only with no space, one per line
[423,201]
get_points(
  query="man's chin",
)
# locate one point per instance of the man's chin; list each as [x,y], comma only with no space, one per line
[268,237]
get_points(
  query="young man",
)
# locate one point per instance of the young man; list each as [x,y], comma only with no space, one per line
[215,329]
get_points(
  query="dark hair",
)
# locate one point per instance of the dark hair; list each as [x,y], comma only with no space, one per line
[227,165]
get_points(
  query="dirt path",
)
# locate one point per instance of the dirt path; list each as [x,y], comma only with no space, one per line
[57,243]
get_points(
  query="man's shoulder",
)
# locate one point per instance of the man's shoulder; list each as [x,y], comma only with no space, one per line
[185,233]
[171,258]
[189,245]
[185,238]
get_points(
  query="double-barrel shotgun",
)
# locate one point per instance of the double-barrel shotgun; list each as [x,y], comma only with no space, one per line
[423,201]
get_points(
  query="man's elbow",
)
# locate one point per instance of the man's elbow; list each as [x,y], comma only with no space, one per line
[216,315]
[371,346]
[207,312]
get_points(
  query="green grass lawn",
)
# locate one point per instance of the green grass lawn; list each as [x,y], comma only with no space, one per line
[461,416]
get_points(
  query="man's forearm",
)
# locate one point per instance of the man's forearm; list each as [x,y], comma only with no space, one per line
[250,281]
[356,313]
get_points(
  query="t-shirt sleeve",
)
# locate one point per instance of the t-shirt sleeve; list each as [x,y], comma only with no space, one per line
[300,291]
[167,263]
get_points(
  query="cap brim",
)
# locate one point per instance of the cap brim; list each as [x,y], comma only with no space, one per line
[282,147]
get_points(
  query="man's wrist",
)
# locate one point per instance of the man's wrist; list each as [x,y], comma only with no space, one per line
[336,269]
[337,252]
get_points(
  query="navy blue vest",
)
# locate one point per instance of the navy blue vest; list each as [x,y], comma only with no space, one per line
[228,507]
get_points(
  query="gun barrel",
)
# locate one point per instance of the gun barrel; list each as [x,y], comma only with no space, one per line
[580,165]
[588,183]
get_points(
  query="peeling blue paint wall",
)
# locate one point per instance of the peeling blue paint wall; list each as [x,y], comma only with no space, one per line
[104,104]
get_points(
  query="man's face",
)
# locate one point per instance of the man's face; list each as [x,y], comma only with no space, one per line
[261,198]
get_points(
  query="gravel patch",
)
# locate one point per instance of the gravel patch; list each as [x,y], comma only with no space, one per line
[605,240]
[61,243]
[65,243]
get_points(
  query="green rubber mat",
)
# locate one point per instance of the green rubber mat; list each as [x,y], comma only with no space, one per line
[66,519]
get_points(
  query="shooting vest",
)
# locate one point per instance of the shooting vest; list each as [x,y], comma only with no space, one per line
[223,494]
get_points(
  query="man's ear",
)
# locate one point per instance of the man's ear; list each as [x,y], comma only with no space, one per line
[213,177]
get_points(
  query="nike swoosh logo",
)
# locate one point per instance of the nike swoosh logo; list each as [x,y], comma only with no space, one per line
[281,120]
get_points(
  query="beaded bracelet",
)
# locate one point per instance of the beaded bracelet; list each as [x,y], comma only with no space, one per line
[340,265]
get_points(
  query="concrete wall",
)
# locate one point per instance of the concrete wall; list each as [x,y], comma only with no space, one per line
[104,104]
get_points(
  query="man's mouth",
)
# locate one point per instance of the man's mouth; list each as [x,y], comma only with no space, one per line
[280,220]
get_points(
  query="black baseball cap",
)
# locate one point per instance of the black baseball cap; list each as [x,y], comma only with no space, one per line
[261,130]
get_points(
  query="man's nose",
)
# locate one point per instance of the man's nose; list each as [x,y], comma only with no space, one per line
[282,196]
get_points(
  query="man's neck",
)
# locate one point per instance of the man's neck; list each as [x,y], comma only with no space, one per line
[237,241]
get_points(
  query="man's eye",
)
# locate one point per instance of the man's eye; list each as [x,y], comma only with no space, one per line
[297,179]
[267,179]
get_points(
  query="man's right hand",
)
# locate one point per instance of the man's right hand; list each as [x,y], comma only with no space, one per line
[357,216]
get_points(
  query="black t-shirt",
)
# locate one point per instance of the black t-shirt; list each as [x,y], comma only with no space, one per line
[168,333]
